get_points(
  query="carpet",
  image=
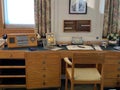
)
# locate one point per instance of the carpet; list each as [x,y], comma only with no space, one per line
[77,87]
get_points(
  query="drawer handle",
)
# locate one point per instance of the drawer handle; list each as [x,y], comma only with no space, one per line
[119,68]
[44,83]
[44,68]
[118,75]
[118,62]
[44,76]
[118,83]
[11,55]
[43,62]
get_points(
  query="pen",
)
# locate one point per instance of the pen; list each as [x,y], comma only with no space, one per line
[81,46]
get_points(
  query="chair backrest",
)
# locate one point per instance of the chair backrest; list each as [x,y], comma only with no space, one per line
[88,57]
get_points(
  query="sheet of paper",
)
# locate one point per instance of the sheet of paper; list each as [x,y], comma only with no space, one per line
[79,47]
[56,48]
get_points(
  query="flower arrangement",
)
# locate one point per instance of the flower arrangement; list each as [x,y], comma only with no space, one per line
[113,36]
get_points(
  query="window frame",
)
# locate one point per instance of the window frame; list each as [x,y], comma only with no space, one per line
[6,30]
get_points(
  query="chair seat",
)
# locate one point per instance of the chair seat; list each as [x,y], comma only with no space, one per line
[85,74]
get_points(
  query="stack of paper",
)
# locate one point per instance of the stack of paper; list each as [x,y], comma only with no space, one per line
[79,47]
[56,48]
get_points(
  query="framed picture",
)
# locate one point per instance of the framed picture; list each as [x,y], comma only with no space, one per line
[77,40]
[77,6]
[50,39]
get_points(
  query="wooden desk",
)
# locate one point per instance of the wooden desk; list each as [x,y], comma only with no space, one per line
[12,69]
[16,66]
[112,69]
[43,69]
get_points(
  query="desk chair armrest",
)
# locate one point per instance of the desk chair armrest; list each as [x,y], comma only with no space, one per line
[66,59]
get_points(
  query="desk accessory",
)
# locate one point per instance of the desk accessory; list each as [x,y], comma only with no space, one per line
[44,42]
[77,40]
[21,40]
[56,48]
[104,44]
[116,47]
[50,39]
[32,48]
[79,47]
[97,47]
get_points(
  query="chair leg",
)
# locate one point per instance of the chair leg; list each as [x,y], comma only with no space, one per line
[66,83]
[72,86]
[95,86]
[101,87]
[59,88]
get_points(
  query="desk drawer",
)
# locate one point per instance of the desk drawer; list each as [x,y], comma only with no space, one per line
[111,83]
[12,54]
[111,68]
[115,75]
[112,58]
[50,83]
[112,61]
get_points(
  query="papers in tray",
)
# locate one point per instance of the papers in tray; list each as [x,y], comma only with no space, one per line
[79,47]
[56,48]
[117,47]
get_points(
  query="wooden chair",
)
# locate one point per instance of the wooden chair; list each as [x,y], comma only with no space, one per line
[86,75]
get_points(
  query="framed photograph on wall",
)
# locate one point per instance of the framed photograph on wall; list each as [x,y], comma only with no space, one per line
[77,7]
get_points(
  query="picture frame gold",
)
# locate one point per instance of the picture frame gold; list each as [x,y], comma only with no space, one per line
[50,39]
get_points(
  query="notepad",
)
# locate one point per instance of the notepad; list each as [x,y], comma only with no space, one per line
[117,47]
[79,47]
[56,48]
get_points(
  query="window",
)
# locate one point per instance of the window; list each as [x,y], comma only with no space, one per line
[19,13]
[102,6]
